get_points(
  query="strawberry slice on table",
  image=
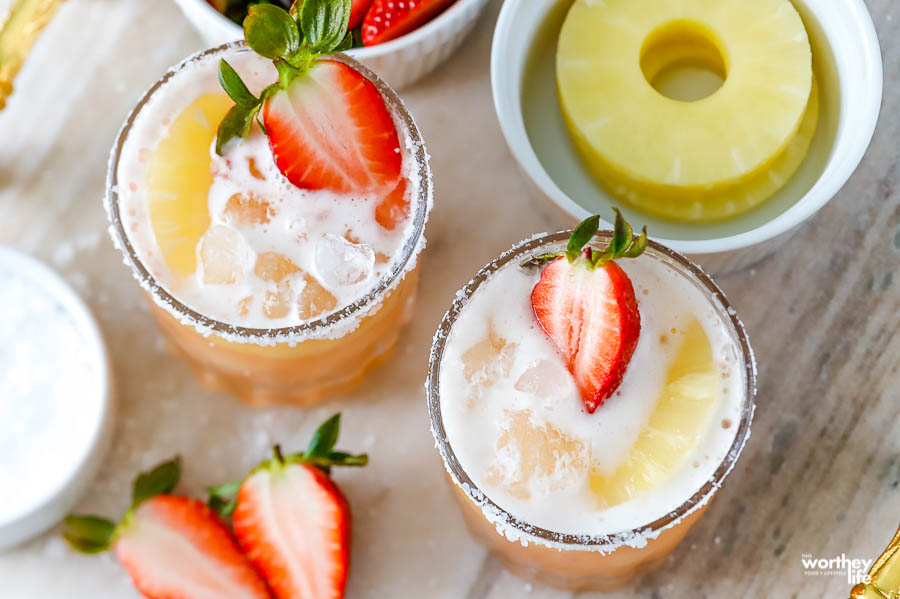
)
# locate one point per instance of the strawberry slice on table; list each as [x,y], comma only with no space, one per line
[328,125]
[389,19]
[173,547]
[358,11]
[586,305]
[330,129]
[292,520]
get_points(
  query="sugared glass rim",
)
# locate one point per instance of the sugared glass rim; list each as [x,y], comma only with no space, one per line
[586,541]
[313,329]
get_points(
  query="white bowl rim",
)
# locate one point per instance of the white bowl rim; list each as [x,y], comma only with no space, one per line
[513,127]
[367,52]
[38,516]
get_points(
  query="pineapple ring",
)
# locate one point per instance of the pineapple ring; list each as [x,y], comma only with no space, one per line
[610,50]
[727,203]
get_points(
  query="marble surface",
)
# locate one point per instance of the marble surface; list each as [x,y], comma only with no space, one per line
[820,476]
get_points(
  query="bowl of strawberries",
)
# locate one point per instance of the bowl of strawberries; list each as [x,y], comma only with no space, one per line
[401,40]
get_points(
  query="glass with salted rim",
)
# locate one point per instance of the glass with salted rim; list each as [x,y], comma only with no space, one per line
[302,364]
[568,561]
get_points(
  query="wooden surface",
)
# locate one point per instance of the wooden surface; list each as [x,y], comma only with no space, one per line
[820,476]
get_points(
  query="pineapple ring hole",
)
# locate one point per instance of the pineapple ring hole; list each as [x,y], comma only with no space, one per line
[683,60]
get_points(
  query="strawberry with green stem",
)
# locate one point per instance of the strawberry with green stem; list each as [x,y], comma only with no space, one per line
[327,124]
[173,547]
[585,303]
[292,520]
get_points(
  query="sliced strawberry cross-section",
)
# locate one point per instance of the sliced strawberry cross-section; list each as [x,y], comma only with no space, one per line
[291,519]
[177,547]
[294,525]
[173,547]
[593,320]
[586,305]
[330,129]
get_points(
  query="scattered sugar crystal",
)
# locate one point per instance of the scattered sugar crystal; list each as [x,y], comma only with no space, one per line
[224,255]
[340,263]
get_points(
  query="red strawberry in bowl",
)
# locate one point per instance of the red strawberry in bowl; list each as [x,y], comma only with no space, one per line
[586,305]
[389,19]
[292,520]
[328,125]
[358,11]
[171,546]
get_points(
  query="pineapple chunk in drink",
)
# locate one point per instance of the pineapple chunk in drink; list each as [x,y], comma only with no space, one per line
[537,456]
[178,181]
[682,414]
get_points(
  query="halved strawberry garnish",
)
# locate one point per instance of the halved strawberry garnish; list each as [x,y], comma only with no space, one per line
[389,19]
[292,521]
[358,12]
[330,129]
[328,125]
[586,305]
[173,547]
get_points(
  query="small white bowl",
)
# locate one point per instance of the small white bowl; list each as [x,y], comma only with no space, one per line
[400,62]
[88,443]
[848,64]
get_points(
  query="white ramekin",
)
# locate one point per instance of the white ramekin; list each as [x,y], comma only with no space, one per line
[67,486]
[846,25]
[400,62]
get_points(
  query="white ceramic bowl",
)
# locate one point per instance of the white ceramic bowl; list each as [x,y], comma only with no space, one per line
[66,485]
[848,64]
[400,62]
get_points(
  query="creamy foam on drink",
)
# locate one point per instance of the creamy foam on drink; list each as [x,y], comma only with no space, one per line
[516,422]
[274,255]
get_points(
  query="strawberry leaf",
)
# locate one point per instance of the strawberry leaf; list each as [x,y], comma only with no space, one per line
[159,481]
[345,44]
[622,234]
[237,123]
[234,86]
[582,234]
[223,498]
[637,246]
[88,534]
[325,437]
[341,458]
[324,23]
[622,245]
[271,31]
